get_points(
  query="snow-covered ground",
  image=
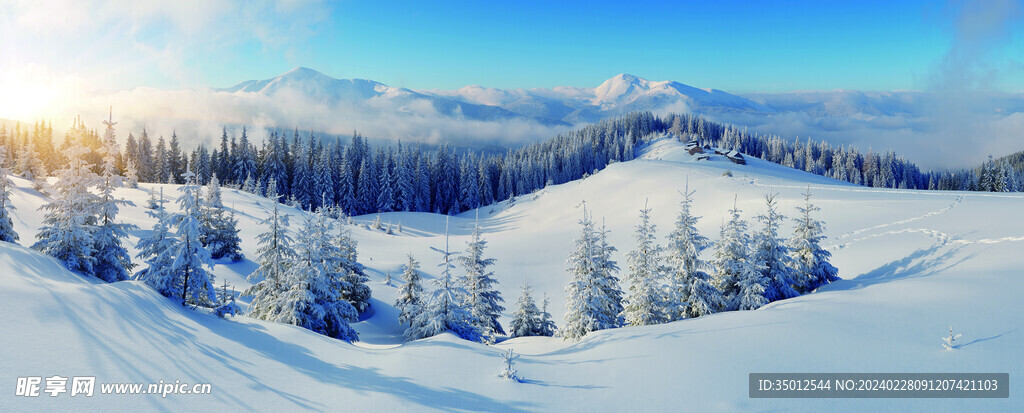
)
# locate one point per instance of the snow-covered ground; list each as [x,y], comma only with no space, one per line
[914,263]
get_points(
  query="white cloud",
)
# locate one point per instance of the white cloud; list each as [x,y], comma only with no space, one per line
[197,115]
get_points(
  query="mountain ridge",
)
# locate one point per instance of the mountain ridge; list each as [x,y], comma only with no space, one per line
[565,105]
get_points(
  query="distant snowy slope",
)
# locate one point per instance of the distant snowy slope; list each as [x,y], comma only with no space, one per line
[628,92]
[620,94]
[914,264]
[307,84]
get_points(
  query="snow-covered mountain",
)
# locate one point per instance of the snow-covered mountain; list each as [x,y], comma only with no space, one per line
[560,106]
[927,126]
[311,85]
[620,94]
[913,264]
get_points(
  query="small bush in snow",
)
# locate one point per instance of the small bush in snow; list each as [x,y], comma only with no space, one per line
[510,372]
[947,342]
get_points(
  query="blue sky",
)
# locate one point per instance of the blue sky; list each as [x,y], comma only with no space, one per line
[737,46]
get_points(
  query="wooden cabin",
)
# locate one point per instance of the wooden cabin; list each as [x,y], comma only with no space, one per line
[736,158]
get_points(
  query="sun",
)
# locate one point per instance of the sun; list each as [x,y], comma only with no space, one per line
[27,97]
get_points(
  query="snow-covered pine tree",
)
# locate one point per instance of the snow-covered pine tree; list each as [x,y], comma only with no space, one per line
[692,292]
[323,179]
[226,302]
[366,188]
[547,324]
[482,297]
[272,192]
[445,309]
[112,261]
[219,230]
[589,306]
[302,174]
[731,256]
[752,285]
[645,303]
[196,284]
[249,185]
[410,294]
[353,275]
[509,372]
[526,318]
[312,297]
[67,233]
[772,254]
[29,166]
[7,233]
[131,174]
[405,179]
[812,268]
[157,252]
[607,268]
[275,258]
[244,168]
[386,196]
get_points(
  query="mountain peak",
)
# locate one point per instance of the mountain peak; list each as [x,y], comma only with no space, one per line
[627,78]
[620,87]
[302,72]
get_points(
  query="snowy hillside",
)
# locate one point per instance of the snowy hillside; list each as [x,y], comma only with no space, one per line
[913,264]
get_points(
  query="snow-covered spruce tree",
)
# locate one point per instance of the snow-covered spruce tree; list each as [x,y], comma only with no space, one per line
[410,294]
[445,309]
[644,302]
[7,233]
[312,297]
[385,199]
[275,258]
[812,268]
[226,304]
[509,372]
[607,268]
[29,166]
[157,252]
[692,293]
[482,297]
[249,185]
[196,284]
[589,306]
[220,230]
[353,276]
[752,286]
[131,174]
[112,261]
[732,258]
[67,232]
[153,203]
[772,254]
[547,324]
[526,318]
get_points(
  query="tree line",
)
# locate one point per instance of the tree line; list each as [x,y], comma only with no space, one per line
[356,178]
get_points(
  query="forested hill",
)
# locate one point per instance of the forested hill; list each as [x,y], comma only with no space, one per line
[359,178]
